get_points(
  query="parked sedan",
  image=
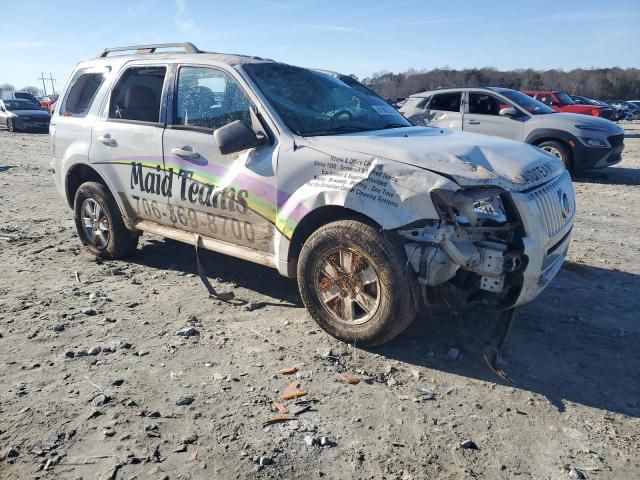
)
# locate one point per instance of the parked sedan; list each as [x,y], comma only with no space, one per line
[630,110]
[19,114]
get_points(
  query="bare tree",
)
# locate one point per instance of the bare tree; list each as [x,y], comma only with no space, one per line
[7,87]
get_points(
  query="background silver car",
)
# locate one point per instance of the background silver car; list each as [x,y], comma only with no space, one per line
[580,141]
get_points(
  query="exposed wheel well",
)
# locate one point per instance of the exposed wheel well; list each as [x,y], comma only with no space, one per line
[77,176]
[319,217]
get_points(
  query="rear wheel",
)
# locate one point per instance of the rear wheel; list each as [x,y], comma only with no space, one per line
[560,151]
[355,284]
[99,223]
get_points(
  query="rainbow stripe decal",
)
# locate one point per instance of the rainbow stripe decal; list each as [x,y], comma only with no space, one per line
[276,206]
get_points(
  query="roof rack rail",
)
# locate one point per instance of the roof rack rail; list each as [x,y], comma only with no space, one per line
[151,48]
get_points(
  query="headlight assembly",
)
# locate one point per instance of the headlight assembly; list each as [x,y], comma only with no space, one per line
[470,207]
[594,142]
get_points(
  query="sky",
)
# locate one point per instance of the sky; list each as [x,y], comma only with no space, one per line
[350,36]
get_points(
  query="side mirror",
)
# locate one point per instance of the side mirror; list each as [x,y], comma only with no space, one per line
[508,112]
[2,109]
[235,137]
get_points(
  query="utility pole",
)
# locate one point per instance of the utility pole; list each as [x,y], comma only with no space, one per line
[44,85]
[52,85]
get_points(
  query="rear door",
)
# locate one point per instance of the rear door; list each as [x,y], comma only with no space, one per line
[482,116]
[445,110]
[227,197]
[127,142]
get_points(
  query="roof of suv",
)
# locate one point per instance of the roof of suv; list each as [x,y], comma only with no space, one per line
[189,53]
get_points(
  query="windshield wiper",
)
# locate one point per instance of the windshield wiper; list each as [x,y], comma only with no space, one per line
[394,125]
[336,129]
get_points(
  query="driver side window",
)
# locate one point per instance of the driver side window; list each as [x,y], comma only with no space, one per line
[483,104]
[209,98]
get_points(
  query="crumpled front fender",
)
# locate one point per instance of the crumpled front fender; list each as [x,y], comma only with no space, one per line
[391,193]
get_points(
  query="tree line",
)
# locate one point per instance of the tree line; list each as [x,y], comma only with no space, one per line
[10,88]
[599,83]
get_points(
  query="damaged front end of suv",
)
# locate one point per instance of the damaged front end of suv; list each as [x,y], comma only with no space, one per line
[490,245]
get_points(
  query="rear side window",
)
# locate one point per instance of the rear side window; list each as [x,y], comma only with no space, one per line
[415,103]
[423,103]
[81,95]
[137,95]
[448,102]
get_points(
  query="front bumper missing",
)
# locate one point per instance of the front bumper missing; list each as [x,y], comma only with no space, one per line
[548,226]
[515,271]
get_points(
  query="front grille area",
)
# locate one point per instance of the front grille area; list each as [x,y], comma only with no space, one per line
[616,140]
[556,202]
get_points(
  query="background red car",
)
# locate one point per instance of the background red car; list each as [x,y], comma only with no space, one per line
[561,102]
[47,101]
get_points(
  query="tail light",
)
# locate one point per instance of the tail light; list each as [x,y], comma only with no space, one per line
[595,112]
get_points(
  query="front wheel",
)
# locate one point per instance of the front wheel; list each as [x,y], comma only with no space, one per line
[99,223]
[560,151]
[355,284]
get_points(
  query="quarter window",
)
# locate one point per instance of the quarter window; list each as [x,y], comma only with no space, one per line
[448,102]
[81,95]
[137,95]
[209,98]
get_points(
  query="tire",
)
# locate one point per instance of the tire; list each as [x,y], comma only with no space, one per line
[99,223]
[10,125]
[559,150]
[342,259]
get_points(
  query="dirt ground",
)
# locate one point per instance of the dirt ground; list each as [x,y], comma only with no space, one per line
[69,411]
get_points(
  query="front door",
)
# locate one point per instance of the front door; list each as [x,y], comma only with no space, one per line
[482,116]
[127,143]
[227,197]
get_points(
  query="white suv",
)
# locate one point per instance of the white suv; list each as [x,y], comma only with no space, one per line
[311,173]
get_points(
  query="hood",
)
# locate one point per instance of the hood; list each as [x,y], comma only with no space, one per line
[589,121]
[30,113]
[467,158]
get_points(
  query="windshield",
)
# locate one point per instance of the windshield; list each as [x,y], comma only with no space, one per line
[18,104]
[534,107]
[564,99]
[313,103]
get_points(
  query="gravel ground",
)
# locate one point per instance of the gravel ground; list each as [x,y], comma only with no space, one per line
[98,385]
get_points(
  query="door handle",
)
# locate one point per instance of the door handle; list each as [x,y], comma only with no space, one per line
[186,152]
[473,122]
[107,140]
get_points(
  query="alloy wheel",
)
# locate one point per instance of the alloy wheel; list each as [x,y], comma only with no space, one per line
[347,285]
[95,223]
